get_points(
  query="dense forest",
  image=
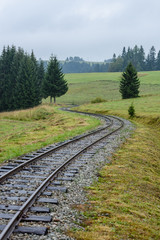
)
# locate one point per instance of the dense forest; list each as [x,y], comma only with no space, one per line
[137,57]
[20,79]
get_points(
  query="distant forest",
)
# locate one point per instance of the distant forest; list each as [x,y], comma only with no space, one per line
[78,65]
[136,55]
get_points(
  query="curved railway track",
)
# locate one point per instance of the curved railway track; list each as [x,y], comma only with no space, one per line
[26,181]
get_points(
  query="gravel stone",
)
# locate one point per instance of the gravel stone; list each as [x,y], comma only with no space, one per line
[64,215]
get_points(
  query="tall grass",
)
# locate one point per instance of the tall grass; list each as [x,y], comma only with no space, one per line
[36,113]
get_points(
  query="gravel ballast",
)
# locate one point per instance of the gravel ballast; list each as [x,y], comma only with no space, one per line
[64,215]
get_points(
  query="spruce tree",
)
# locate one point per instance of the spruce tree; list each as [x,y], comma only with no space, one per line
[129,84]
[16,63]
[54,84]
[41,74]
[151,60]
[37,80]
[25,89]
[158,61]
[6,94]
[141,58]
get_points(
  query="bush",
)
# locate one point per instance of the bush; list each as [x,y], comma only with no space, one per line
[131,111]
[98,100]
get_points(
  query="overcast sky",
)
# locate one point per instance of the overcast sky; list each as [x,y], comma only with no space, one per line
[91,29]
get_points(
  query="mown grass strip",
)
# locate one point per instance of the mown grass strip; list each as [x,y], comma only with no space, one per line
[125,202]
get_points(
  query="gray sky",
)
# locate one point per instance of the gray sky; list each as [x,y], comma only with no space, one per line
[91,29]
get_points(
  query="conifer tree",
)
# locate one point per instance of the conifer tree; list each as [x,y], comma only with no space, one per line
[36,78]
[54,84]
[41,74]
[129,84]
[6,94]
[25,90]
[158,61]
[20,80]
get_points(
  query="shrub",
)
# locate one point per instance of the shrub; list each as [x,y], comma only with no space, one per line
[98,100]
[131,111]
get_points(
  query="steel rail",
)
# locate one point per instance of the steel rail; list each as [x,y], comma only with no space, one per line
[40,156]
[8,230]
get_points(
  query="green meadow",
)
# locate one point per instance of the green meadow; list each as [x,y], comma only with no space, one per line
[124,203]
[85,87]
[27,130]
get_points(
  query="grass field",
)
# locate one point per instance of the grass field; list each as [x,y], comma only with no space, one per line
[125,202]
[28,130]
[151,77]
[85,87]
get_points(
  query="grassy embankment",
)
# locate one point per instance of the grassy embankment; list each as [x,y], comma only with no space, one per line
[27,130]
[125,202]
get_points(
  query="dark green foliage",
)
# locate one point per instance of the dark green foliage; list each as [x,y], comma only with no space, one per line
[6,84]
[129,83]
[20,80]
[137,57]
[151,59]
[26,91]
[158,61]
[131,111]
[54,84]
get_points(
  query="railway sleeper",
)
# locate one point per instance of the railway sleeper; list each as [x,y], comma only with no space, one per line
[32,209]
[28,218]
[23,199]
[26,192]
[61,189]
[28,230]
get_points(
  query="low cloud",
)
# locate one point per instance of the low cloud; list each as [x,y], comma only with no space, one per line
[90,29]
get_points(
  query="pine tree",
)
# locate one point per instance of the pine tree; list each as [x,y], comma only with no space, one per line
[41,74]
[151,60]
[129,83]
[54,84]
[37,79]
[158,61]
[3,86]
[124,54]
[141,59]
[114,58]
[6,94]
[20,80]
[25,90]
[16,63]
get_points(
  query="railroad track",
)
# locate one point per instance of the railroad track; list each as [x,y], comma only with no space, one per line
[29,183]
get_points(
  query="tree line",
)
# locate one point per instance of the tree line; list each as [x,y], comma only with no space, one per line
[137,57]
[78,65]
[24,82]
